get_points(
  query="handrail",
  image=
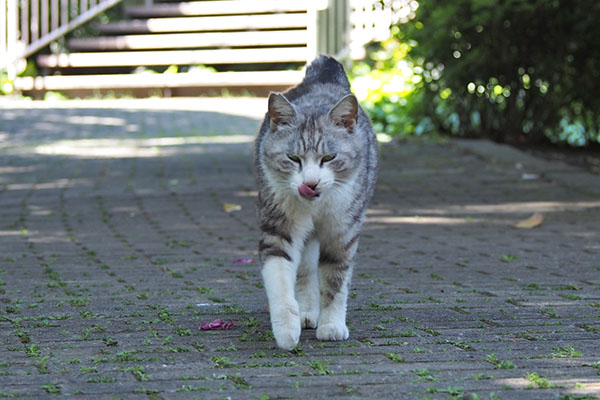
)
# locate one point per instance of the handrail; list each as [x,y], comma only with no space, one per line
[28,25]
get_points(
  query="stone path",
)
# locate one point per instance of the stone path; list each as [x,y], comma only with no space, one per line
[115,247]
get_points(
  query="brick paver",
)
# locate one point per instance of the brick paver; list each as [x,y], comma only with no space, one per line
[115,247]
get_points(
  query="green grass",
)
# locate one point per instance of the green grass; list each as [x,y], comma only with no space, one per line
[499,364]
[565,352]
[538,382]
[51,389]
[223,362]
[191,388]
[395,357]
[424,375]
[320,367]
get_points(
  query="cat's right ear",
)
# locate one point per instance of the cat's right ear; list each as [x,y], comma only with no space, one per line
[281,110]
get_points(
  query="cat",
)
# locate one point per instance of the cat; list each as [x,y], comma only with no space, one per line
[316,167]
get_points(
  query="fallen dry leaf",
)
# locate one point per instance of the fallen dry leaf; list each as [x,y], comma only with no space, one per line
[229,207]
[531,222]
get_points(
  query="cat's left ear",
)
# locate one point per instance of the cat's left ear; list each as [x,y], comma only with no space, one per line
[344,113]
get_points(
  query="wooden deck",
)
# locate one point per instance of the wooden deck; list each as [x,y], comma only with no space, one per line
[190,79]
[210,23]
[217,7]
[261,38]
[191,40]
[171,57]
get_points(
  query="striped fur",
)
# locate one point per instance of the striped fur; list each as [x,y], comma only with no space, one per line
[314,134]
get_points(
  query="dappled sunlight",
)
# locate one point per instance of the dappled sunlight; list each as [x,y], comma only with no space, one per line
[7,172]
[420,220]
[110,148]
[246,193]
[10,233]
[569,386]
[525,207]
[249,107]
[475,213]
[86,120]
[95,120]
[57,184]
[116,128]
[123,148]
[582,386]
[37,211]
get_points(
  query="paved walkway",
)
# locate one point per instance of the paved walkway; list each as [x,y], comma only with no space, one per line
[115,246]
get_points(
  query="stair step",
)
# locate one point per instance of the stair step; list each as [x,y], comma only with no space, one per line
[217,7]
[202,24]
[144,80]
[175,57]
[191,40]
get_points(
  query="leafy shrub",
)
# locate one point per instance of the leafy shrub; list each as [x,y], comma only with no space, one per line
[516,71]
[6,84]
[386,85]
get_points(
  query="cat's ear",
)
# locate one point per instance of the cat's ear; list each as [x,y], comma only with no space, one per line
[344,113]
[281,110]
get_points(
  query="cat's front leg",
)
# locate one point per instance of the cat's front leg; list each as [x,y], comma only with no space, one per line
[279,277]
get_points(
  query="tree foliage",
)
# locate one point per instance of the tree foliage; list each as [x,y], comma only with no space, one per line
[511,70]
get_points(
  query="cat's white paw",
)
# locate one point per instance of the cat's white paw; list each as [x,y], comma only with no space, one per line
[286,328]
[287,338]
[309,319]
[333,331]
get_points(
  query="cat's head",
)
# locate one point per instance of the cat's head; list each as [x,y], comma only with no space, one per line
[311,147]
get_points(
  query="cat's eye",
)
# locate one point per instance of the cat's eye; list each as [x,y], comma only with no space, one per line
[294,158]
[328,158]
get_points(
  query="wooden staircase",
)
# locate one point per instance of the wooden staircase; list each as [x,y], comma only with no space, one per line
[255,45]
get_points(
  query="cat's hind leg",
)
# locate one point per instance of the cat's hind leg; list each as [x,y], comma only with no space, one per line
[307,285]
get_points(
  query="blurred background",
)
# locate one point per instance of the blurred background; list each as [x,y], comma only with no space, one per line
[525,72]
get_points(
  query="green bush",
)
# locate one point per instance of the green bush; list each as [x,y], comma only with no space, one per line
[519,71]
[6,84]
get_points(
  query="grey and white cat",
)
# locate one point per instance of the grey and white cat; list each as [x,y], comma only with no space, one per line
[316,165]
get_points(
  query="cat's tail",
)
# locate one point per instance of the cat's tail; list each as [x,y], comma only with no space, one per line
[325,69]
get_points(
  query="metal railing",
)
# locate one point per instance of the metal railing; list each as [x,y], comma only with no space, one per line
[28,25]
[337,27]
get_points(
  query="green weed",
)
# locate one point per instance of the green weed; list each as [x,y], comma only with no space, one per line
[395,357]
[498,364]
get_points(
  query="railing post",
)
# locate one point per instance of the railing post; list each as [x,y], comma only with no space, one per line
[3,39]
[312,31]
[9,36]
[343,19]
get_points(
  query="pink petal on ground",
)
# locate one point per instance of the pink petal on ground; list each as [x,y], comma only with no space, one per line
[244,261]
[216,325]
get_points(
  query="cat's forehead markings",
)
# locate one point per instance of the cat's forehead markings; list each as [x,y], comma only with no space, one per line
[307,133]
[320,136]
[302,142]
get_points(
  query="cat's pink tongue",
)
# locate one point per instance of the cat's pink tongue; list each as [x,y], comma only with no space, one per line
[305,191]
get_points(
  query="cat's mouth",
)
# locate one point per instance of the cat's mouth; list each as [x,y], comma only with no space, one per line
[307,192]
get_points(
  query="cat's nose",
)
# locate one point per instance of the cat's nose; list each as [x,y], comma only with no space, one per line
[308,189]
[311,184]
